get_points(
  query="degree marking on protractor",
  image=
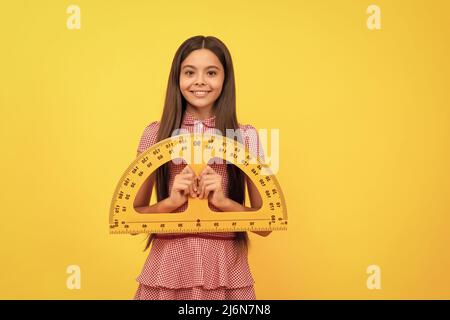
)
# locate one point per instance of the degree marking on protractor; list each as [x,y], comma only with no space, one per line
[158,154]
[188,221]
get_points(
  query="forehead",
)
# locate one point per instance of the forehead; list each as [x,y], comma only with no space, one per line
[202,58]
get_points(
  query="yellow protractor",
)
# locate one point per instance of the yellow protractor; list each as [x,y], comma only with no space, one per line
[196,150]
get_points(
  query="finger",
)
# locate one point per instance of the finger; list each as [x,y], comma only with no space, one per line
[185,170]
[202,171]
[208,189]
[209,177]
[181,186]
[206,192]
[186,189]
[201,189]
[212,187]
[183,177]
[207,170]
[208,183]
[189,169]
[185,180]
[191,190]
[196,181]
[187,175]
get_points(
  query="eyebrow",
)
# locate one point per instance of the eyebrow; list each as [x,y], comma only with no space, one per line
[188,65]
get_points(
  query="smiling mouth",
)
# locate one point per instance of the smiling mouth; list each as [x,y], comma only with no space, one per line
[200,93]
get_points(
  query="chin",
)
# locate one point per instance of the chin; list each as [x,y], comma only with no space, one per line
[199,104]
[202,105]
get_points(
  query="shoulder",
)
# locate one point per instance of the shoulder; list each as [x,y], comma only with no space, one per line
[149,136]
[251,139]
[246,127]
[248,131]
[152,128]
[249,134]
[151,131]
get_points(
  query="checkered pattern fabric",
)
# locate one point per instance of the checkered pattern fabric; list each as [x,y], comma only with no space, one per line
[197,265]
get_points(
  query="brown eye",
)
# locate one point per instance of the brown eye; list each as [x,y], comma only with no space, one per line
[188,72]
[213,72]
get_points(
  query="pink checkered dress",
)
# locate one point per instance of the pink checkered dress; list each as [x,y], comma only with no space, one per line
[197,265]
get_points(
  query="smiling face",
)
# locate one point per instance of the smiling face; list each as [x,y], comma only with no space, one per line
[201,80]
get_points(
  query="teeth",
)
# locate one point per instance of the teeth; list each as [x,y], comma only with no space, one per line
[200,93]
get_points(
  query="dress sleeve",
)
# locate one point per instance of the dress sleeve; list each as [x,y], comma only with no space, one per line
[252,141]
[148,137]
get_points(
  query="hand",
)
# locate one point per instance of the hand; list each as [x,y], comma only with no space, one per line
[210,186]
[184,184]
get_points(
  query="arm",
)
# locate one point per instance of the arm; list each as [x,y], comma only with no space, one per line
[255,202]
[142,200]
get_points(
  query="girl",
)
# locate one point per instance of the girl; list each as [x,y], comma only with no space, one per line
[200,96]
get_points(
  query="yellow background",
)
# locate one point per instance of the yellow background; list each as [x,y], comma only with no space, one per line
[364,131]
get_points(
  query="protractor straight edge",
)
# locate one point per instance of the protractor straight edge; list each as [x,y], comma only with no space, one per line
[196,150]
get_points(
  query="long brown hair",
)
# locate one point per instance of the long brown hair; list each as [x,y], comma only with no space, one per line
[224,110]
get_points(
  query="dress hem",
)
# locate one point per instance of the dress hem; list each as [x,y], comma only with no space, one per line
[155,285]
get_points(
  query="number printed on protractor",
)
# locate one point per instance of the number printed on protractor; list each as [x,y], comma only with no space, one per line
[196,150]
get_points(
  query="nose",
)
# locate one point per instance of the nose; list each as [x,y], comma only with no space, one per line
[200,80]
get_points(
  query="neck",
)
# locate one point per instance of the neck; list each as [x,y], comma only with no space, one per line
[200,113]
